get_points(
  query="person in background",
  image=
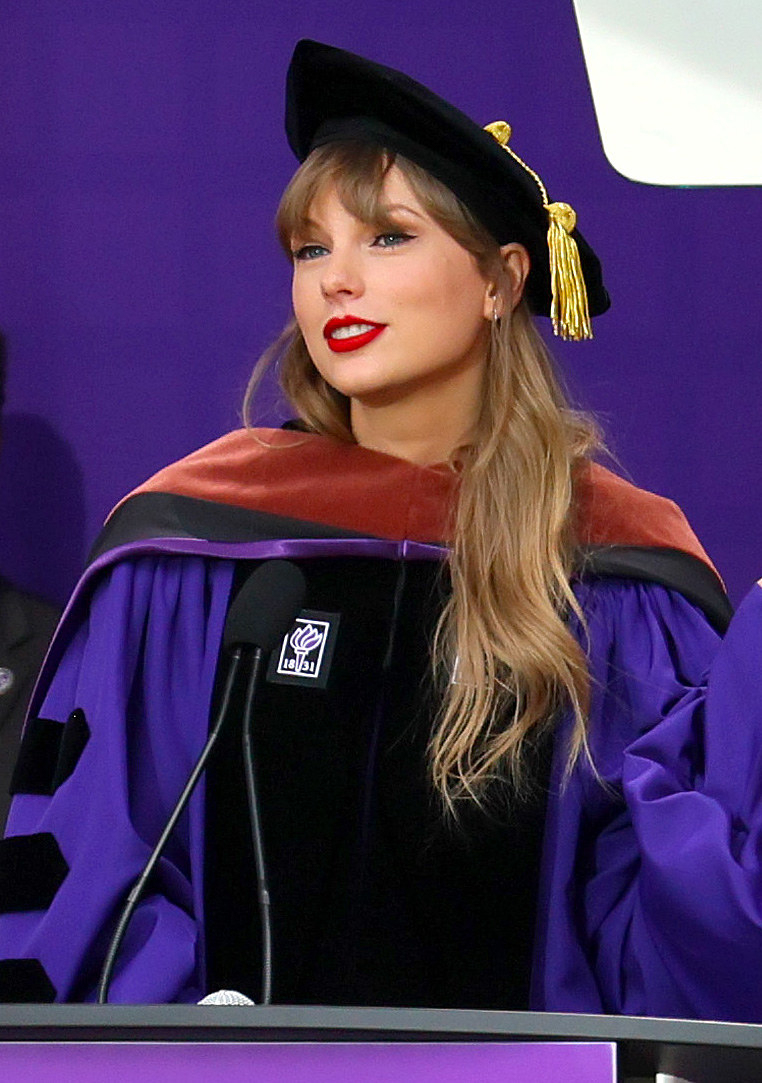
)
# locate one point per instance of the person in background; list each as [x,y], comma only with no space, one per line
[26,626]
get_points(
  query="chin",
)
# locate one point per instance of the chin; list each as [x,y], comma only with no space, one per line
[359,385]
[367,394]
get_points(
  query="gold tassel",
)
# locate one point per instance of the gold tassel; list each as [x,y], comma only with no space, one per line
[568,308]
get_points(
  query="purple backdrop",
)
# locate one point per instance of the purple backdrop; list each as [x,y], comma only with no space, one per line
[142,160]
[362,1062]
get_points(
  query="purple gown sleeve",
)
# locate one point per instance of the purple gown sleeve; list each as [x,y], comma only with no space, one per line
[652,901]
[141,666]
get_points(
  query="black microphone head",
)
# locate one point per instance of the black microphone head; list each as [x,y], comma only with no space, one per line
[266,606]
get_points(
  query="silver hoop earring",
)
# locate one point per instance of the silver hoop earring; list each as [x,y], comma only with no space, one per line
[495,313]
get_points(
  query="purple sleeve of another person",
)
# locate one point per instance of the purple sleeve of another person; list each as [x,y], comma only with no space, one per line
[652,897]
[141,666]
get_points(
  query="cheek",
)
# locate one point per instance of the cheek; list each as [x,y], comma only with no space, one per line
[297,297]
[447,294]
[305,308]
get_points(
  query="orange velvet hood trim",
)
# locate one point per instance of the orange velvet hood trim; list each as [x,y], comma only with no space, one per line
[322,480]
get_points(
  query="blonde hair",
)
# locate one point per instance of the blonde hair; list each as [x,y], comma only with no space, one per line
[504,658]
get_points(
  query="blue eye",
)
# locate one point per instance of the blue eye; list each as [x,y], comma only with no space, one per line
[309,251]
[392,240]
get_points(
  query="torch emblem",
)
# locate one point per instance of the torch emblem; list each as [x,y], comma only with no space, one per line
[304,639]
[302,656]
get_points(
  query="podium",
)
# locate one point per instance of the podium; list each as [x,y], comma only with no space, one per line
[295,1044]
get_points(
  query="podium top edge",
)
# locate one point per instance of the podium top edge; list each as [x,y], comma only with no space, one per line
[168,1022]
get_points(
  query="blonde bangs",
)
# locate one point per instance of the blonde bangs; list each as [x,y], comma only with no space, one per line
[357,173]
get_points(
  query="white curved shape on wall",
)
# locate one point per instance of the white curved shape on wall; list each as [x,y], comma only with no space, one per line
[677,87]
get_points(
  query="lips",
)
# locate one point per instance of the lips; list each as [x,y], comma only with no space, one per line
[345,333]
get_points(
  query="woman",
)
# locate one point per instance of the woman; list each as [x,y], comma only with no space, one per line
[493,777]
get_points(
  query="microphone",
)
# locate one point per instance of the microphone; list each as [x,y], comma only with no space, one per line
[260,615]
[265,607]
[226,997]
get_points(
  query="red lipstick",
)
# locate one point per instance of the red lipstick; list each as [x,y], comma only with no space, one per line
[367,330]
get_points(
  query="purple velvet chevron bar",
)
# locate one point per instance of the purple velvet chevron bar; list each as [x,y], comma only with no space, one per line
[183,1062]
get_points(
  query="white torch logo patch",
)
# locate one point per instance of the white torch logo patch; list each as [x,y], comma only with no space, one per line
[302,649]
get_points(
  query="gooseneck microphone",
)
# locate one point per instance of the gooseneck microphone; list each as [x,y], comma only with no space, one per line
[261,613]
[289,589]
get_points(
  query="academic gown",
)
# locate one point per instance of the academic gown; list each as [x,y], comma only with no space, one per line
[649,896]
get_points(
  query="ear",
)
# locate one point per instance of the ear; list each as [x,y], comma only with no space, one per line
[505,294]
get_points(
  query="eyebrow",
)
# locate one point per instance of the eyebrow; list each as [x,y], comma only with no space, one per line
[307,224]
[391,207]
[311,225]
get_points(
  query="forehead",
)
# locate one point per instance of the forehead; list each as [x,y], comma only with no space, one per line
[395,195]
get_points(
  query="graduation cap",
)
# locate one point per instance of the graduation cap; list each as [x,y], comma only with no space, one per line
[333,95]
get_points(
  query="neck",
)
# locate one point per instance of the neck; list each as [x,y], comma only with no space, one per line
[424,428]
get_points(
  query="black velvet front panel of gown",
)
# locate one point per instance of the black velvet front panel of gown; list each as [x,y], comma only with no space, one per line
[375,900]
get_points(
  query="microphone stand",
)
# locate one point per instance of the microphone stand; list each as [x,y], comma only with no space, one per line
[139,886]
[263,610]
[263,894]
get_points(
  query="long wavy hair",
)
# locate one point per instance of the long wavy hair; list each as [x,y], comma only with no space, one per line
[504,660]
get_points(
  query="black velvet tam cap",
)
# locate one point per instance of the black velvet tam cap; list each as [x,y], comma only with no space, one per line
[333,95]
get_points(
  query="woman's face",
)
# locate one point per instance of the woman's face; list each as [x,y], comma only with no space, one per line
[387,314]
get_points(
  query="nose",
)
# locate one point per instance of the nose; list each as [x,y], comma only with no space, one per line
[341,276]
